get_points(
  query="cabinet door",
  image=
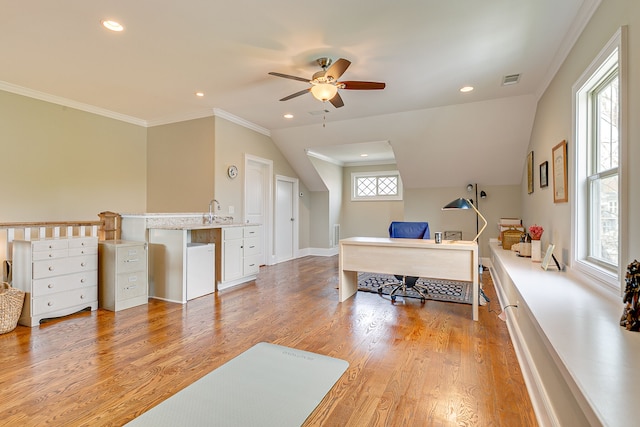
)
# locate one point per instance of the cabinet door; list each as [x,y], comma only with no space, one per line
[232,267]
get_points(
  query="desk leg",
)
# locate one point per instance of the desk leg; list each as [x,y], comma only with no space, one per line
[476,293]
[347,284]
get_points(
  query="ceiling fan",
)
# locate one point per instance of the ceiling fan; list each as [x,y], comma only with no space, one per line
[325,84]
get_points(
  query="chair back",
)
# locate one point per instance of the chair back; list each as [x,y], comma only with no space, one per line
[409,230]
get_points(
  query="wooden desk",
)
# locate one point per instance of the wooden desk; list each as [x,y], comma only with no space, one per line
[450,260]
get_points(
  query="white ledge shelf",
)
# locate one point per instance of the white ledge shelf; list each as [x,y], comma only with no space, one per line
[581,366]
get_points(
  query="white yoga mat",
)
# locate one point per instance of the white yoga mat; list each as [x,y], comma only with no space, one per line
[267,385]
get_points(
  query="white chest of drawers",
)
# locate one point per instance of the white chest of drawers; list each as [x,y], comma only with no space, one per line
[59,276]
[123,281]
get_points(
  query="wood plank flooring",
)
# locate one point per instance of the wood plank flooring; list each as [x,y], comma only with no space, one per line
[410,364]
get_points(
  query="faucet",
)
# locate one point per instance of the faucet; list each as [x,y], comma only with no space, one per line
[211,215]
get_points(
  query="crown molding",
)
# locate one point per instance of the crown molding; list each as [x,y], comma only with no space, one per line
[240,121]
[183,117]
[19,90]
[323,157]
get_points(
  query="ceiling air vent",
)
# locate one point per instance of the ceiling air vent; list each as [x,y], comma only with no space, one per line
[510,79]
[318,112]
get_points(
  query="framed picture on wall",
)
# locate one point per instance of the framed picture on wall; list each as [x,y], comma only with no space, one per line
[559,156]
[544,174]
[530,172]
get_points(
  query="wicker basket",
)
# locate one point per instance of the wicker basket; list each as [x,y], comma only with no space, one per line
[11,300]
[509,237]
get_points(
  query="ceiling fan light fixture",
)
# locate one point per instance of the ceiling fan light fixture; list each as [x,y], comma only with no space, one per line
[324,91]
[112,25]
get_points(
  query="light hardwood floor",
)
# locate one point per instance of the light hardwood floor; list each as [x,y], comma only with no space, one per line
[410,364]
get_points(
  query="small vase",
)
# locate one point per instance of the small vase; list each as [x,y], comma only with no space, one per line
[536,251]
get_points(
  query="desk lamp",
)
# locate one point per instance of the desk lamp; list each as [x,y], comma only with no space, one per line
[461,203]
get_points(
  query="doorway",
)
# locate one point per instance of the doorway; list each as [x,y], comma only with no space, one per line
[286,222]
[258,196]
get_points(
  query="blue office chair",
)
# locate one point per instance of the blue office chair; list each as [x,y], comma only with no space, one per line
[407,230]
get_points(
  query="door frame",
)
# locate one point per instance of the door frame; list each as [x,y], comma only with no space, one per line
[267,226]
[296,212]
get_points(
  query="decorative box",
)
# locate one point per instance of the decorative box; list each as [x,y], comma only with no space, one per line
[511,236]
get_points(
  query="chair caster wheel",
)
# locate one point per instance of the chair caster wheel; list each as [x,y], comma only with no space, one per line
[422,300]
[379,291]
[393,298]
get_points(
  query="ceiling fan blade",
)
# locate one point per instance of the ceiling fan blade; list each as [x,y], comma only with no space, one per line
[293,95]
[336,101]
[337,69]
[287,76]
[355,85]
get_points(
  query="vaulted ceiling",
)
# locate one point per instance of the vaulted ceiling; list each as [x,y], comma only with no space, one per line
[424,50]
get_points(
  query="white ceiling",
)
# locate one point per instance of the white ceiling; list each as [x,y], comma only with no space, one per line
[424,50]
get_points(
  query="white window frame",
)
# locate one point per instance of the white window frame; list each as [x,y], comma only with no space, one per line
[377,174]
[613,52]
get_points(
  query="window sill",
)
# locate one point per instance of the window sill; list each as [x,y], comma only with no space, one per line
[576,357]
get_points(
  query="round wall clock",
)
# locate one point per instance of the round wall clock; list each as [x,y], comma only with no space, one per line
[232,171]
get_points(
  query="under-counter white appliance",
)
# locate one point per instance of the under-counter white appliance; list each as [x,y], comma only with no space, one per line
[200,269]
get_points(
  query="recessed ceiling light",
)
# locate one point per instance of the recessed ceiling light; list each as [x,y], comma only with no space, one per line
[112,25]
[466,89]
[288,116]
[364,155]
[200,94]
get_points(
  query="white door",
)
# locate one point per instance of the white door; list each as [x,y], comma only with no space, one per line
[286,226]
[257,200]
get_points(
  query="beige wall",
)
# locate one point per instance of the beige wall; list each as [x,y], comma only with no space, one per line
[319,219]
[304,218]
[331,175]
[61,164]
[232,143]
[368,218]
[553,124]
[503,201]
[181,166]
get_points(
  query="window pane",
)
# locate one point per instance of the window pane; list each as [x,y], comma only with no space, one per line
[387,186]
[366,186]
[604,219]
[607,125]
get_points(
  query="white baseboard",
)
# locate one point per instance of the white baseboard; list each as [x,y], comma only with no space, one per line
[317,252]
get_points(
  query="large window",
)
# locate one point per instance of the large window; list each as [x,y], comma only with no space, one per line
[603,179]
[376,186]
[597,178]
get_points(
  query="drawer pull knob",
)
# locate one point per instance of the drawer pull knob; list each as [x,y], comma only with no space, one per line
[251,265]
[81,296]
[51,268]
[132,260]
[50,255]
[50,286]
[82,280]
[252,246]
[82,264]
[50,303]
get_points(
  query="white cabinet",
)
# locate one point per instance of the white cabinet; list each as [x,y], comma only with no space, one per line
[232,239]
[239,259]
[122,274]
[58,275]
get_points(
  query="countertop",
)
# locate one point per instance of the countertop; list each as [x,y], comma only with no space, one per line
[199,226]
